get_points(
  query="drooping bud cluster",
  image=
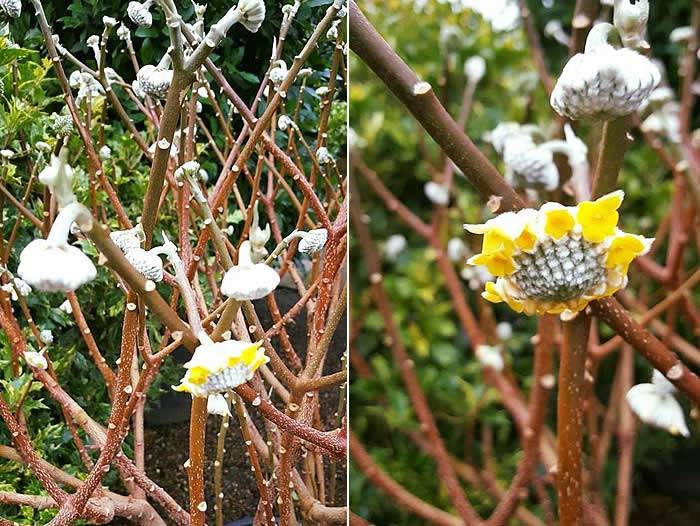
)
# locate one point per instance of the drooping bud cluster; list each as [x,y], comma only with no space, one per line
[51,264]
[605,81]
[557,259]
[146,262]
[253,14]
[154,81]
[313,241]
[248,280]
[654,403]
[11,8]
[140,13]
[528,165]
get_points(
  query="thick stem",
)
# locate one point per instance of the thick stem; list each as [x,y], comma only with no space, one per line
[570,420]
[195,474]
[613,146]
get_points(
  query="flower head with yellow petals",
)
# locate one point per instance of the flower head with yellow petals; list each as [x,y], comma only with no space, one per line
[557,259]
[218,367]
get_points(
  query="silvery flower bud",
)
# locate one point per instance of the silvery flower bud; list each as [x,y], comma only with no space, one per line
[253,12]
[285,122]
[154,81]
[139,13]
[456,250]
[394,245]
[475,68]
[278,72]
[123,32]
[603,82]
[109,21]
[313,241]
[105,153]
[681,35]
[305,72]
[11,8]
[128,239]
[42,147]
[436,193]
[146,263]
[332,32]
[46,336]
[324,156]
[630,18]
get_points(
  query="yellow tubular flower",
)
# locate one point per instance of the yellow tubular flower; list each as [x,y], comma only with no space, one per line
[558,223]
[598,219]
[557,259]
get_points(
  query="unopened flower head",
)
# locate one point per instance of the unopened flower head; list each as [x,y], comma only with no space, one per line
[437,193]
[285,122]
[58,177]
[332,33]
[528,165]
[217,405]
[88,86]
[154,80]
[248,280]
[105,153]
[654,403]
[324,156]
[11,8]
[681,34]
[46,336]
[140,14]
[603,82]
[62,125]
[109,21]
[630,18]
[51,264]
[475,68]
[128,239]
[278,72]
[218,367]
[66,307]
[457,250]
[557,259]
[258,237]
[313,241]
[146,262]
[504,331]
[36,359]
[394,246]
[252,14]
[123,32]
[16,288]
[490,357]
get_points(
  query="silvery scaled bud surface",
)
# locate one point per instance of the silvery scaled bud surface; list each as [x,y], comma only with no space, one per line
[139,13]
[154,81]
[313,241]
[604,82]
[11,8]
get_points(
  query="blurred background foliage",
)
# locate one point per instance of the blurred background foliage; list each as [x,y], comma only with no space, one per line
[29,95]
[435,39]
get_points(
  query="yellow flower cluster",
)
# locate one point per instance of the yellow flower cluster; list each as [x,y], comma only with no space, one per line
[218,367]
[557,259]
